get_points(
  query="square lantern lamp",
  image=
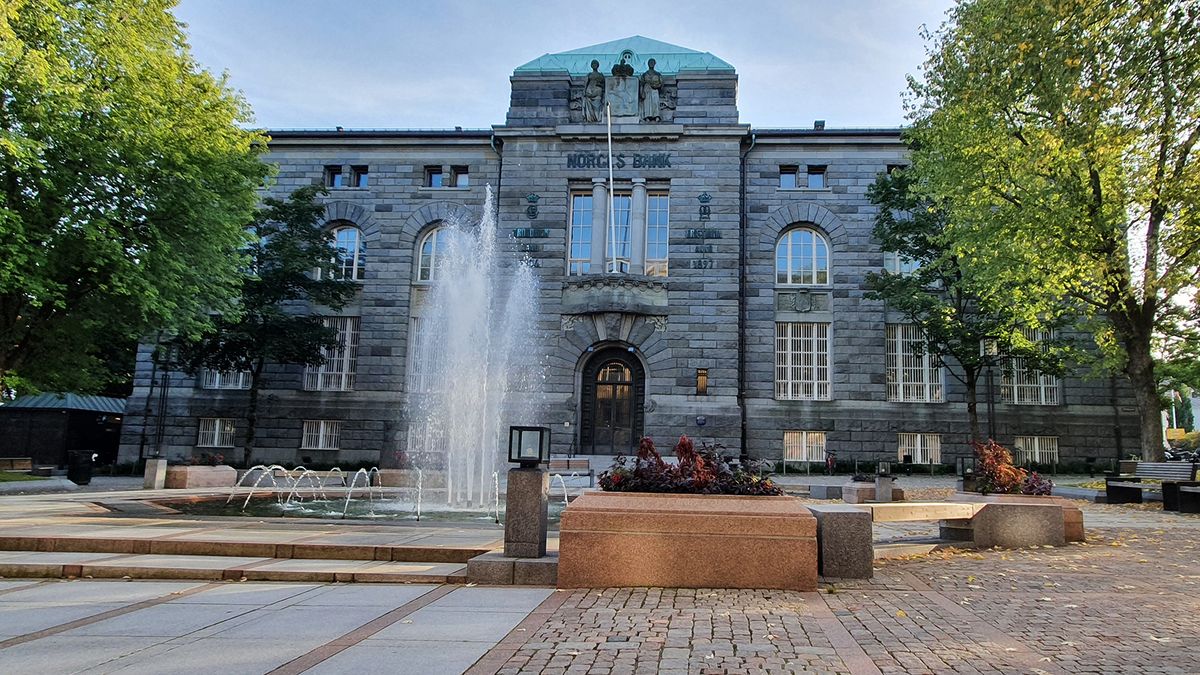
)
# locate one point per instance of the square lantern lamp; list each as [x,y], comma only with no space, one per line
[528,446]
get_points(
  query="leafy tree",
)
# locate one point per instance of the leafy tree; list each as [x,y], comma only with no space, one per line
[935,292]
[1060,137]
[125,183]
[291,262]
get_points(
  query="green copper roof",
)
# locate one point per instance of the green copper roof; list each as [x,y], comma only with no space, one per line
[669,59]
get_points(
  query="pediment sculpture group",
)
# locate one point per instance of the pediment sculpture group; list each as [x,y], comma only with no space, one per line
[626,94]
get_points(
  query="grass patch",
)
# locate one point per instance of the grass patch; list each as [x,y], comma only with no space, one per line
[1099,484]
[10,477]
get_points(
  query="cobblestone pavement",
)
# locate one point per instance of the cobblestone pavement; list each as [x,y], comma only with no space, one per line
[1126,601]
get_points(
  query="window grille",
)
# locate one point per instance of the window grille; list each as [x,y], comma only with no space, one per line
[801,361]
[804,446]
[1036,449]
[923,448]
[341,362]
[913,374]
[1022,385]
[215,432]
[215,379]
[321,435]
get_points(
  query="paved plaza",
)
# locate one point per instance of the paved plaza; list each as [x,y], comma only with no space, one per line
[1127,600]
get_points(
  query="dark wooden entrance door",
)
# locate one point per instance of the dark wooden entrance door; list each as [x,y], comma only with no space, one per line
[613,396]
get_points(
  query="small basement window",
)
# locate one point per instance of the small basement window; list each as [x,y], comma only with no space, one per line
[359,176]
[460,176]
[334,177]
[433,176]
[788,177]
[816,177]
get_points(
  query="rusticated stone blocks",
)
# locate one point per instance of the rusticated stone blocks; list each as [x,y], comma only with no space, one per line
[613,539]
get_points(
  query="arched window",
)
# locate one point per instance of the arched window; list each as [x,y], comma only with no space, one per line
[802,258]
[433,247]
[351,252]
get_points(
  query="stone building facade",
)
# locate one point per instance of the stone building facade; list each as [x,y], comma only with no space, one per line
[723,299]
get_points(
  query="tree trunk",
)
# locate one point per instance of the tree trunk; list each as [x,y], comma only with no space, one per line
[971,379]
[1140,369]
[252,413]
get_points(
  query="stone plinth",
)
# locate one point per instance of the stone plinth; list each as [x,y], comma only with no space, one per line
[859,493]
[613,539]
[1018,525]
[155,477]
[1072,515]
[200,476]
[526,503]
[496,569]
[884,485]
[845,548]
[825,491]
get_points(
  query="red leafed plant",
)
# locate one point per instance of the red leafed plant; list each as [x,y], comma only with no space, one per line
[994,470]
[699,471]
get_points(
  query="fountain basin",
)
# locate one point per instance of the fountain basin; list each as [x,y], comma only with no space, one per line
[388,507]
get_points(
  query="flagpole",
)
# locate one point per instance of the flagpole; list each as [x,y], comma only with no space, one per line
[612,227]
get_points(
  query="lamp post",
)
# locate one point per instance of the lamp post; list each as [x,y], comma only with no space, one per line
[989,350]
[527,498]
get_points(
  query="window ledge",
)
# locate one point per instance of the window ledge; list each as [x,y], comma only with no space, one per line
[803,189]
[426,188]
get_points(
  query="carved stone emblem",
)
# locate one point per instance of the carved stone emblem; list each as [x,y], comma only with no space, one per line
[659,323]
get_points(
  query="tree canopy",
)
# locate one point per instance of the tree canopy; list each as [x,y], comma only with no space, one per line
[126,181]
[1060,138]
[935,291]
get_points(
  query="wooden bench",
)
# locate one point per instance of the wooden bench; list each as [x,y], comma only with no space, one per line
[1128,489]
[565,466]
[16,464]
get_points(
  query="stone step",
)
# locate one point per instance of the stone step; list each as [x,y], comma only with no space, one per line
[218,568]
[232,547]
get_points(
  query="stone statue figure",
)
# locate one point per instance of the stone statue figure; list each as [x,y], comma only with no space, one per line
[593,95]
[623,68]
[651,83]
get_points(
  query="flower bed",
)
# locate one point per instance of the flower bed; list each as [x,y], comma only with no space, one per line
[704,472]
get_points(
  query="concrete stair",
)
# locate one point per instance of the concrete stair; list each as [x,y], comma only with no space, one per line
[214,560]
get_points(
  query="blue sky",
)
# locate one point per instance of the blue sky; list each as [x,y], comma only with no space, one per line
[371,63]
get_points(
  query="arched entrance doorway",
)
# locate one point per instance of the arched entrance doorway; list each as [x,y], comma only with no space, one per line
[612,401]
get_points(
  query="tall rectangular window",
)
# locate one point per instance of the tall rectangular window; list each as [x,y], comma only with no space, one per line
[215,432]
[702,381]
[321,435]
[341,362]
[804,446]
[913,374]
[421,352]
[579,261]
[658,232]
[922,448]
[620,245]
[816,177]
[801,361]
[215,379]
[1036,449]
[1022,385]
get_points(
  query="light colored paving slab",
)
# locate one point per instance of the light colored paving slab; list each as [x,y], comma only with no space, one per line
[507,599]
[84,592]
[311,625]
[166,620]
[248,593]
[28,558]
[207,562]
[358,595]
[20,618]
[208,656]
[407,658]
[59,654]
[453,625]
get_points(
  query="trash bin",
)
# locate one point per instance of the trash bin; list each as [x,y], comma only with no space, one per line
[79,467]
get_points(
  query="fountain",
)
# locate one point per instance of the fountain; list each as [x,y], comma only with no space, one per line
[477,333]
